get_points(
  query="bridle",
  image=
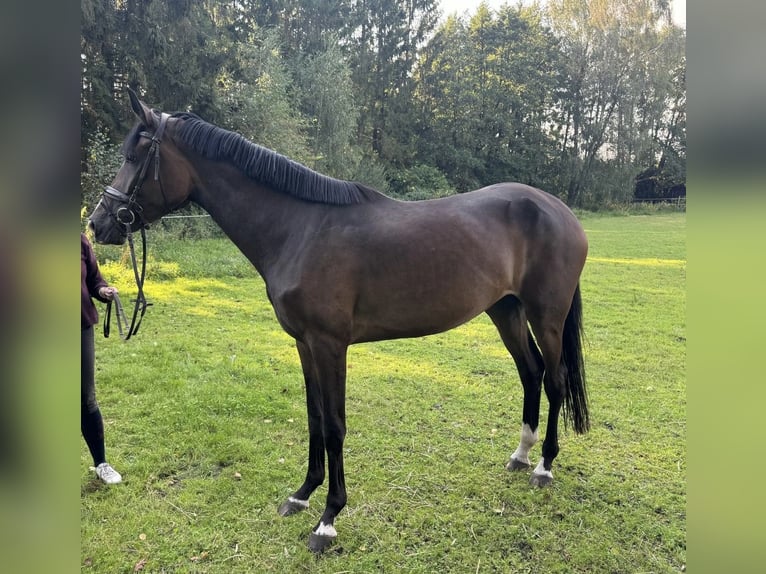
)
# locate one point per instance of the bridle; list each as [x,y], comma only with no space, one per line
[127,215]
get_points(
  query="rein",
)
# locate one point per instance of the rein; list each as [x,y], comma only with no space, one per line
[140,302]
[126,215]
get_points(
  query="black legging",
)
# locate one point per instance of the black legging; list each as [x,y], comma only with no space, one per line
[91,423]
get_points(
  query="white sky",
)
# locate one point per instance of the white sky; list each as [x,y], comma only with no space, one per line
[450,6]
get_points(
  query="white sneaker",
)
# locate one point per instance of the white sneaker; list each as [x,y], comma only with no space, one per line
[106,473]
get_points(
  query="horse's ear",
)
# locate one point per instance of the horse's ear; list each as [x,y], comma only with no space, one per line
[141,110]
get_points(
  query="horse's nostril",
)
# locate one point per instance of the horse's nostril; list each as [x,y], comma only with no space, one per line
[91,226]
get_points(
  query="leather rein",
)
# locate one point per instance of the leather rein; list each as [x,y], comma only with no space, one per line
[126,332]
[128,214]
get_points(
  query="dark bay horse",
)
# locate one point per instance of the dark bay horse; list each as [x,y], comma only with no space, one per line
[345,264]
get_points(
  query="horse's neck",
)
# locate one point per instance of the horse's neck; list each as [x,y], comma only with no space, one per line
[257,220]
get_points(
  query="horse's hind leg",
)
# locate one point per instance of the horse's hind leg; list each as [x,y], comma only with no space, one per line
[559,334]
[549,337]
[511,322]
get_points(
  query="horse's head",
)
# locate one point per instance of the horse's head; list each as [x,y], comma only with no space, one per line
[154,178]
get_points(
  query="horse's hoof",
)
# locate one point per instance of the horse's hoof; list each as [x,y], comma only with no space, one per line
[514,465]
[292,506]
[541,480]
[318,543]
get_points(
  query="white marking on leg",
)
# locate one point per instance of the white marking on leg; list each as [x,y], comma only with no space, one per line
[298,501]
[528,440]
[326,530]
[540,470]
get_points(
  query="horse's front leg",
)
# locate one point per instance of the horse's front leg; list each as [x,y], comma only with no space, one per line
[299,500]
[330,365]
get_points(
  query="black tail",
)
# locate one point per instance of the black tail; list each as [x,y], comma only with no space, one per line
[576,399]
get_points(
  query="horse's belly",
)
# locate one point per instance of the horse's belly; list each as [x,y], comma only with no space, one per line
[399,316]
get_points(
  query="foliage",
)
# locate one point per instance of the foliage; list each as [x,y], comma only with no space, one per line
[168,51]
[205,418]
[326,88]
[368,169]
[622,100]
[384,41]
[101,163]
[583,98]
[486,89]
[190,222]
[255,94]
[420,182]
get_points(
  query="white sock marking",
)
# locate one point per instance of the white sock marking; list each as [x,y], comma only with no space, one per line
[540,469]
[326,530]
[528,440]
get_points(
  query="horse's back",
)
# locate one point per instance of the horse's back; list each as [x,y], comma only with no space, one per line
[424,267]
[526,216]
[530,239]
[527,206]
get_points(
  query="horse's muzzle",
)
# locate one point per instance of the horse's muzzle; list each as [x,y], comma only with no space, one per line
[107,234]
[112,217]
[105,228]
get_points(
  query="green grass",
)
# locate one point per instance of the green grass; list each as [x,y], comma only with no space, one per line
[211,387]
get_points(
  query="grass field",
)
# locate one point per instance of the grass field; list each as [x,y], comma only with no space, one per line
[205,418]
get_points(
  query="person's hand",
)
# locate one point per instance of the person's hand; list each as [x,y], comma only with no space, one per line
[107,293]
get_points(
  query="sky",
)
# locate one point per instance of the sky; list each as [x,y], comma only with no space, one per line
[450,6]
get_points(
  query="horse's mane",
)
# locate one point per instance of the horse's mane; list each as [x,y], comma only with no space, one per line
[267,166]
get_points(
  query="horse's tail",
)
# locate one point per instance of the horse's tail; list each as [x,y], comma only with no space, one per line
[576,398]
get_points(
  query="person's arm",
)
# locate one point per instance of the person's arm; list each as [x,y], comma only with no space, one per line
[96,284]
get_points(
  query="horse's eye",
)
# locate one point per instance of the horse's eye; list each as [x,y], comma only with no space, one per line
[130,158]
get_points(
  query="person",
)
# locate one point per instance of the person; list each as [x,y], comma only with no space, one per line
[91,423]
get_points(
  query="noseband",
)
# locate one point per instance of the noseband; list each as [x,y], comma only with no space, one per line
[127,214]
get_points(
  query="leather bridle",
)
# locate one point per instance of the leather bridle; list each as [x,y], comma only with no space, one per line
[127,214]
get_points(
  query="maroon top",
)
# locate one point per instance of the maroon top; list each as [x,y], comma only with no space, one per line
[90,284]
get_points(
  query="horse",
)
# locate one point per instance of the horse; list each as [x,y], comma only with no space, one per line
[345,264]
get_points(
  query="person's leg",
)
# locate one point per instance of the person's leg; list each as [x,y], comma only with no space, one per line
[91,422]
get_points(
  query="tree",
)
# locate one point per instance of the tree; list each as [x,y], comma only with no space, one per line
[168,50]
[384,43]
[583,98]
[618,58]
[99,61]
[304,25]
[256,96]
[485,88]
[327,100]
